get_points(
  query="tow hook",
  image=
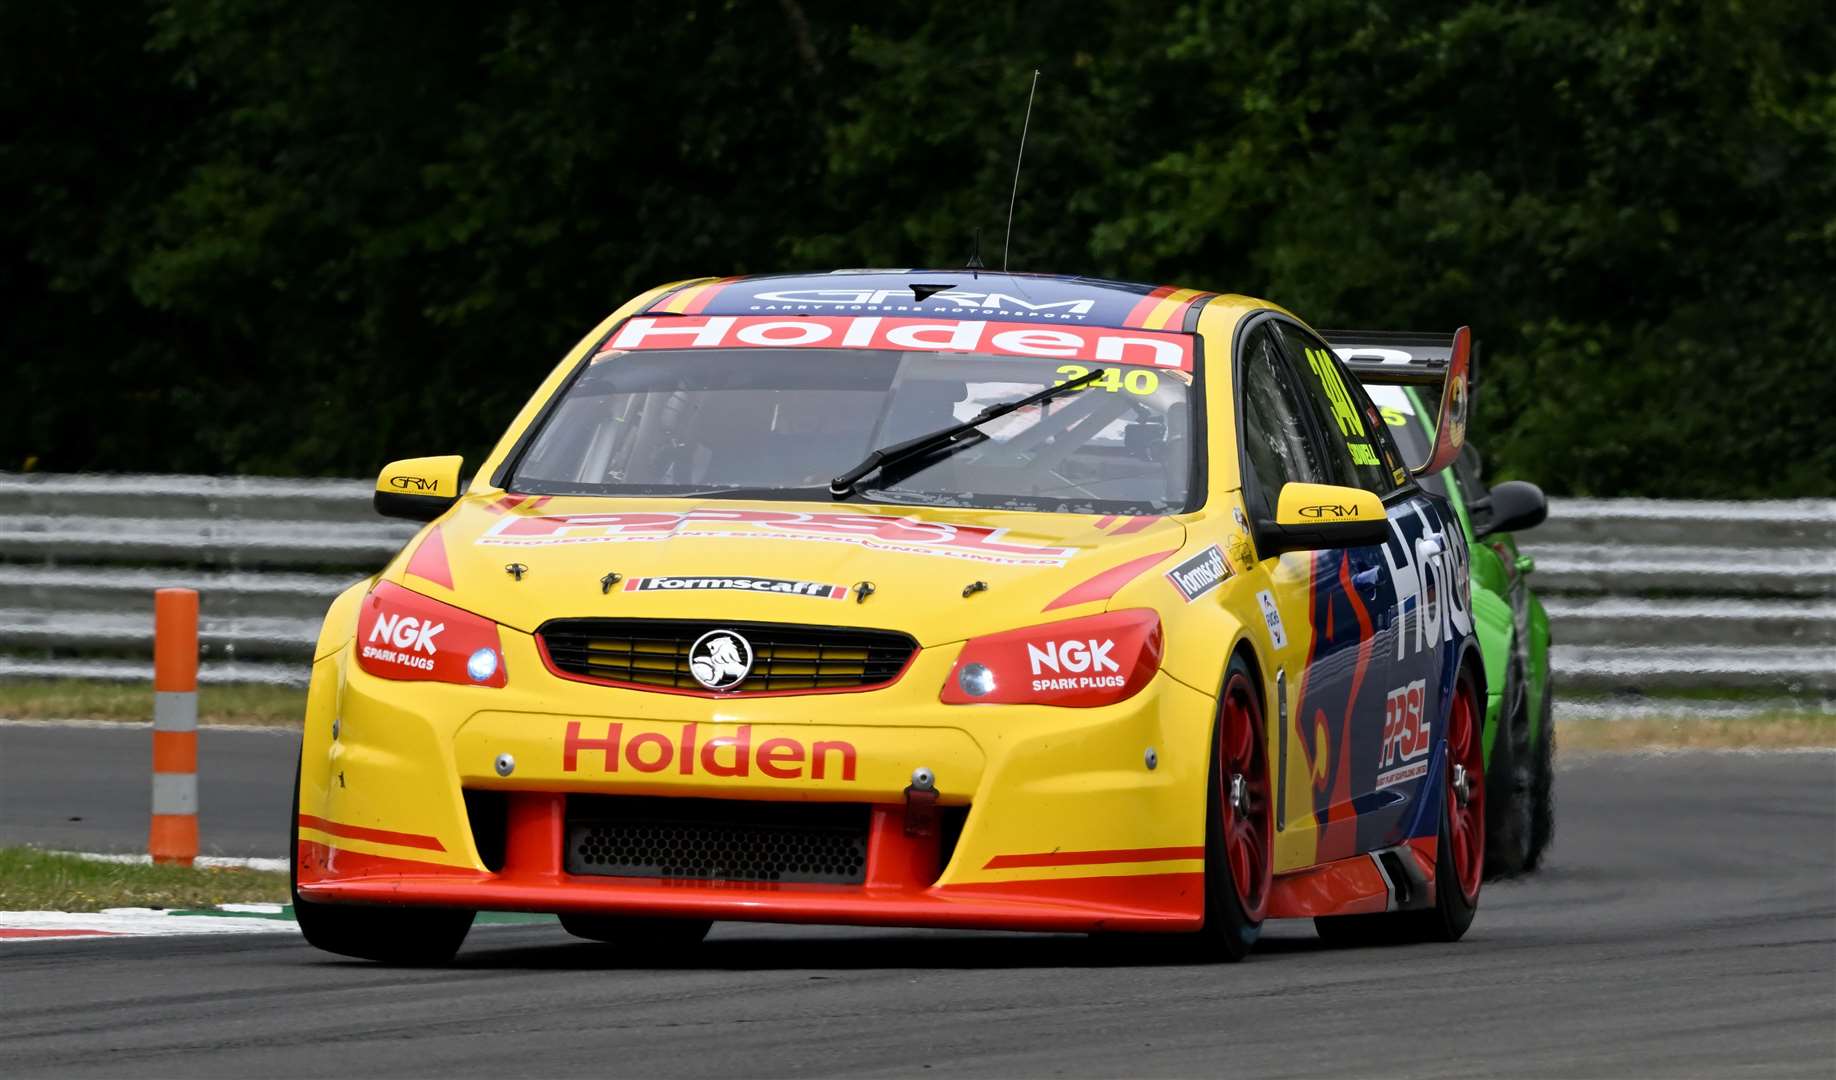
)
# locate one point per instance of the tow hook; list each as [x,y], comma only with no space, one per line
[1463,788]
[921,803]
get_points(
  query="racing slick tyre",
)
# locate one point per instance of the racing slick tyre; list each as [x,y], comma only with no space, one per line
[408,936]
[1459,850]
[1240,821]
[1510,783]
[636,933]
[1542,821]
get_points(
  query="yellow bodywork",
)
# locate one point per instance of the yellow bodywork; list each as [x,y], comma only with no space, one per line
[384,757]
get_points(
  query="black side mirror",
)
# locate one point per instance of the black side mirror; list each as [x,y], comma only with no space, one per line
[1515,505]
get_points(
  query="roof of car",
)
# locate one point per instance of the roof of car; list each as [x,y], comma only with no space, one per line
[958,294]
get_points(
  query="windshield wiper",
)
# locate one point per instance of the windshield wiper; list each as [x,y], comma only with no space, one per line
[843,486]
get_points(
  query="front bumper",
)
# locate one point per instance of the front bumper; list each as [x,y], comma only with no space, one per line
[1062,824]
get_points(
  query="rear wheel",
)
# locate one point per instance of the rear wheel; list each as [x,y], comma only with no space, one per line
[410,936]
[1239,820]
[641,934]
[1510,807]
[1542,820]
[1459,851]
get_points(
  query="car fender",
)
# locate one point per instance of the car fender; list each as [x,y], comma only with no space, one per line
[340,625]
[1493,630]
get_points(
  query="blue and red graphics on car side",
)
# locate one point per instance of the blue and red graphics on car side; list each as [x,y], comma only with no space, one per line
[1387,623]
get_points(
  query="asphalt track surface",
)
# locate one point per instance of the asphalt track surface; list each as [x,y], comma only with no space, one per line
[88,788]
[1685,926]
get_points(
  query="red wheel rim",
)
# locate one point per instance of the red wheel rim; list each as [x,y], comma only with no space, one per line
[1243,793]
[1466,809]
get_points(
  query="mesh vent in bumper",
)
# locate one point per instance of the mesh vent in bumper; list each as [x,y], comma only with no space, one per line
[717,839]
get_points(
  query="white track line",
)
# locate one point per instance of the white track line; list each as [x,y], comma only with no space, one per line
[142,725]
[133,922]
[275,865]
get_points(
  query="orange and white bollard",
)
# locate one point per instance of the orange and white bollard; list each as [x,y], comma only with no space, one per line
[173,836]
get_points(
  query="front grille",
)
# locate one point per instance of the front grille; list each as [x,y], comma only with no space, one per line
[655,652]
[716,839]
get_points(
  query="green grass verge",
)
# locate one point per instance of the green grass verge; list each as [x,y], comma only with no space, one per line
[231,703]
[1760,731]
[33,880]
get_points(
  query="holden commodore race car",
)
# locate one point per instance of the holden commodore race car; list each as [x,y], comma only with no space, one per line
[911,598]
[1510,622]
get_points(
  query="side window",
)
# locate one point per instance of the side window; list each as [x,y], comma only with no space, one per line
[1277,447]
[1359,450]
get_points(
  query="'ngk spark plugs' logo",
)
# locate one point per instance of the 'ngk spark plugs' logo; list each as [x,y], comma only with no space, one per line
[1075,665]
[411,637]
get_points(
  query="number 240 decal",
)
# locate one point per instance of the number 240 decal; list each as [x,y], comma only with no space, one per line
[1137,381]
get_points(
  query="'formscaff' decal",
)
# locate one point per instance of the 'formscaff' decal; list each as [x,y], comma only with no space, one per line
[703,583]
[882,532]
[1090,343]
[1200,574]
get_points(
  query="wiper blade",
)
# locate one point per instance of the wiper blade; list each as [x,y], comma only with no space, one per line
[843,486]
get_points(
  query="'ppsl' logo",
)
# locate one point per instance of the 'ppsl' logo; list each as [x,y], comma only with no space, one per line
[1406,731]
[407,632]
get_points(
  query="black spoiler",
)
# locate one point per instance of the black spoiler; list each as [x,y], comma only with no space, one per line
[1398,357]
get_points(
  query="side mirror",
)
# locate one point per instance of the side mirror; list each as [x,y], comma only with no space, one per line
[1515,505]
[419,489]
[1309,517]
[1450,422]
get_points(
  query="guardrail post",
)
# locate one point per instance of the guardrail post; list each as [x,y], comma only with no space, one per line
[173,835]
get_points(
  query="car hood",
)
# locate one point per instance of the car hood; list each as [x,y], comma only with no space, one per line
[522,561]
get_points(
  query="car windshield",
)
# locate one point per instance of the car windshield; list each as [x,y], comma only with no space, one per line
[780,423]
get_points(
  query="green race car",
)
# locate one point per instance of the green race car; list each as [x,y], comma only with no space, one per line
[1397,369]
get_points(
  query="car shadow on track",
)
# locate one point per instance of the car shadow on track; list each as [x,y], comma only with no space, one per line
[865,952]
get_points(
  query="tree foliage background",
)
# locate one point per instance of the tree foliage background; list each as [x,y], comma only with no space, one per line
[274,237]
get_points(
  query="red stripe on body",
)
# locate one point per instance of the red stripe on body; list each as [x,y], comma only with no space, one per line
[1139,313]
[1108,583]
[1094,858]
[1134,525]
[429,560]
[375,836]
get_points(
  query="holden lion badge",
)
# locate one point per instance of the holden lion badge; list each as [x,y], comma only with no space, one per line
[720,659]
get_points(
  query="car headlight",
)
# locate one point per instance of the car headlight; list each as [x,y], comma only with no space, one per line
[1079,663]
[404,635]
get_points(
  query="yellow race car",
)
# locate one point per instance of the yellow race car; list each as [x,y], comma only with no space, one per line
[910,598]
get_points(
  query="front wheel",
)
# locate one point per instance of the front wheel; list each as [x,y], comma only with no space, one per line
[1239,821]
[1459,849]
[408,936]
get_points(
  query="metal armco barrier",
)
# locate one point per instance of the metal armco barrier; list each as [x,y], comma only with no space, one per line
[1643,594]
[173,835]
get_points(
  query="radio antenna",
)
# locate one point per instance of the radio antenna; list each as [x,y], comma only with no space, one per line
[1018,158]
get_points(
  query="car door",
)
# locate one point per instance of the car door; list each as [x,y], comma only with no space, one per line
[1391,612]
[1314,818]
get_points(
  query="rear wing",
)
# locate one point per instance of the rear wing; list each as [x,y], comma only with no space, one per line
[1401,358]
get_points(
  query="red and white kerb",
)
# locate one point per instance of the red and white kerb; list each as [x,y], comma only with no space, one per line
[1094,344]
